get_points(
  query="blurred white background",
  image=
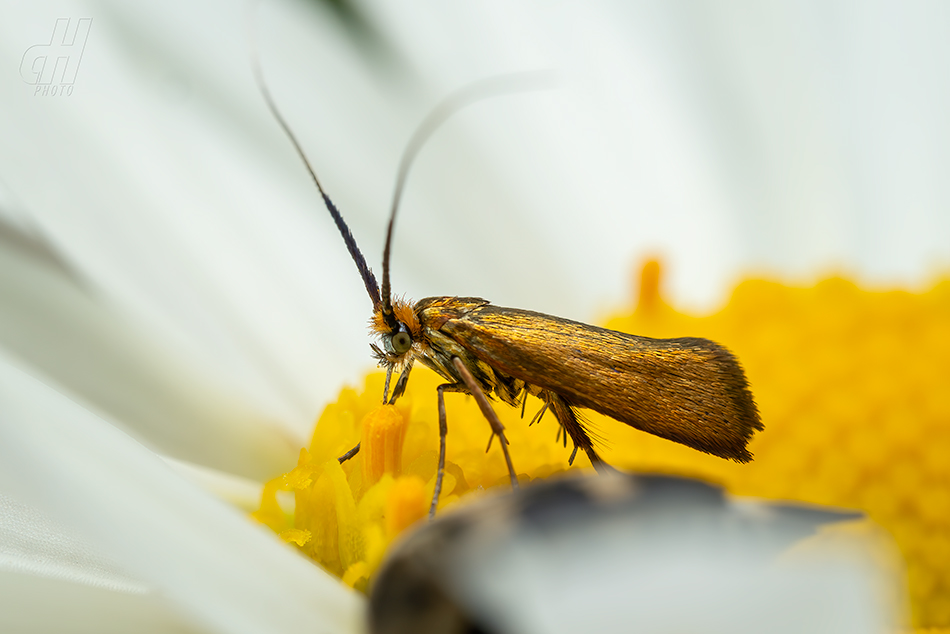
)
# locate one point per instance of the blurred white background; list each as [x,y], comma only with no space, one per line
[791,139]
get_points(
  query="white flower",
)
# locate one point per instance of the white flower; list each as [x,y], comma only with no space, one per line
[170,284]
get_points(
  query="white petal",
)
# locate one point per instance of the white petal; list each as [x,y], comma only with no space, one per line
[44,564]
[217,570]
[240,492]
[193,233]
[57,323]
[31,543]
[40,605]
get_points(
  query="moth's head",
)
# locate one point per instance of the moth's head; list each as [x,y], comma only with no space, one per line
[399,333]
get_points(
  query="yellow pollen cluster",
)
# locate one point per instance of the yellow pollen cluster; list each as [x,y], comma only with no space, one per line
[345,516]
[853,390]
[851,384]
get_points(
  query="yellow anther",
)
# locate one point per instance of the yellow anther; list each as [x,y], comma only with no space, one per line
[384,430]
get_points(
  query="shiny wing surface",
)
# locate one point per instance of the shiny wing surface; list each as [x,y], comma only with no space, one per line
[689,390]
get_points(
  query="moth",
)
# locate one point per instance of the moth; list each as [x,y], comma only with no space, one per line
[689,390]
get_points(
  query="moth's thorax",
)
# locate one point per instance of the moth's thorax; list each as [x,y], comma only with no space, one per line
[436,349]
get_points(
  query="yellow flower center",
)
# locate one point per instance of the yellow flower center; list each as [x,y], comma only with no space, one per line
[851,385]
[384,430]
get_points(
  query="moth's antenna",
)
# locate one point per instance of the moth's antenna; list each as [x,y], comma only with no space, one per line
[465,96]
[369,280]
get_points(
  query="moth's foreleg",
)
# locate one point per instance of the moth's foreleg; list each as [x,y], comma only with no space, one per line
[389,376]
[349,454]
[400,388]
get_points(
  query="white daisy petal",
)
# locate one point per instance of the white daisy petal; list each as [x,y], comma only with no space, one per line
[32,544]
[43,563]
[59,324]
[31,604]
[217,570]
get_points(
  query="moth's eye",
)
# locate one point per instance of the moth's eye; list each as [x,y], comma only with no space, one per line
[401,342]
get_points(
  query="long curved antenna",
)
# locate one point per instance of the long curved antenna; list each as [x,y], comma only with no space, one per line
[369,280]
[465,96]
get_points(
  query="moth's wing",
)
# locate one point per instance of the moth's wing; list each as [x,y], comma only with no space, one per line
[692,391]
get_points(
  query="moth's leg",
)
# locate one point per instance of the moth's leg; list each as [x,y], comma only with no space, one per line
[560,428]
[401,383]
[349,454]
[443,431]
[497,428]
[568,418]
[400,389]
[389,375]
[537,417]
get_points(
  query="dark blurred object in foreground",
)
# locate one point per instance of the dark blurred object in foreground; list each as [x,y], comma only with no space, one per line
[623,553]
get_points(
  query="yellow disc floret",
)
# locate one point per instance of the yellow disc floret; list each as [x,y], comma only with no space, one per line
[853,390]
[851,385]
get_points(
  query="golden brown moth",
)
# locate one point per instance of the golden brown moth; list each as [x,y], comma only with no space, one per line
[689,390]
